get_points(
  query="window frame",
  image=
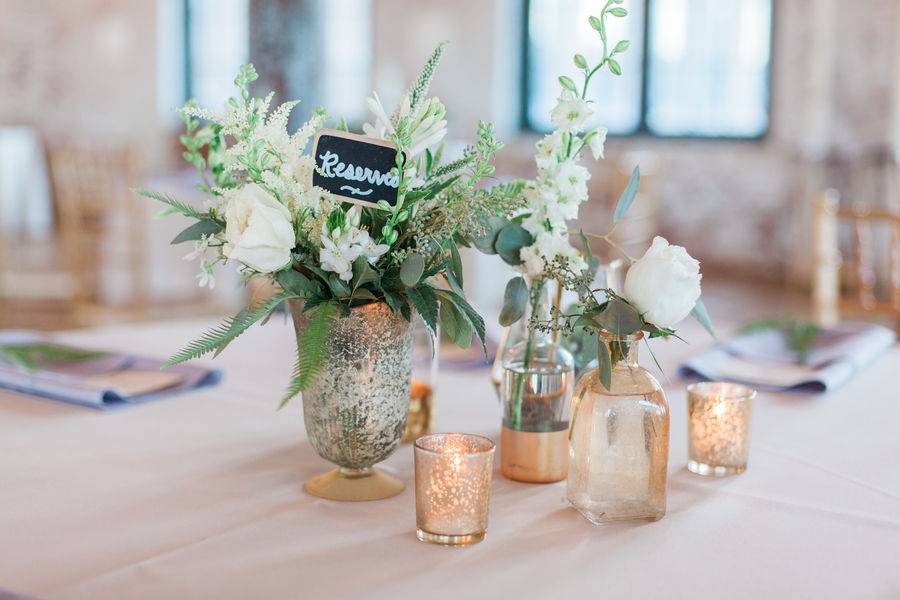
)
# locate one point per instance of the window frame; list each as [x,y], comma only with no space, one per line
[642,130]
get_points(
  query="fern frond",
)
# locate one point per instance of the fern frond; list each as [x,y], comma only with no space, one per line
[217,338]
[175,204]
[312,345]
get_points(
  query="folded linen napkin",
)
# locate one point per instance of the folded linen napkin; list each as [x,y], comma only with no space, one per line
[763,360]
[101,380]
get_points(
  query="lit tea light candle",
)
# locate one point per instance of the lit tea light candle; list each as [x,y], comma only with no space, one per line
[719,417]
[453,487]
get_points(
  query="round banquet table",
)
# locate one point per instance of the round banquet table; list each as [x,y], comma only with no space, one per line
[200,496]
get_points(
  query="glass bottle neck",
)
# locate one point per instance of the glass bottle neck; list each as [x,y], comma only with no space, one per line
[623,349]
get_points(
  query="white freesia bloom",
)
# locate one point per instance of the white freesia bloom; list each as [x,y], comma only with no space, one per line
[596,142]
[571,112]
[337,255]
[664,284]
[258,230]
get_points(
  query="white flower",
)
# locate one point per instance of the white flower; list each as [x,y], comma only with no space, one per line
[596,141]
[374,251]
[664,284]
[571,181]
[570,113]
[547,247]
[258,230]
[205,277]
[548,150]
[200,248]
[427,124]
[338,256]
[382,128]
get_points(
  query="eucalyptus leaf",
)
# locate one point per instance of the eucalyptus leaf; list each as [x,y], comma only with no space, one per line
[620,318]
[485,243]
[604,365]
[595,23]
[456,264]
[626,199]
[700,313]
[618,12]
[510,241]
[515,300]
[412,268]
[622,46]
[205,227]
[580,61]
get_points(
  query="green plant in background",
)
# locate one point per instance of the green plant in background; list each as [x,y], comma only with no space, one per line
[31,355]
[799,336]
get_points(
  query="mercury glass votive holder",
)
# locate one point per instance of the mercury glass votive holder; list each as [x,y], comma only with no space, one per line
[453,487]
[719,417]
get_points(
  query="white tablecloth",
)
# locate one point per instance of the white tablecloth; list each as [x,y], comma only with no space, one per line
[200,497]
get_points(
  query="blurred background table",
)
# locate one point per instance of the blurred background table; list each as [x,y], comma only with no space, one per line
[200,496]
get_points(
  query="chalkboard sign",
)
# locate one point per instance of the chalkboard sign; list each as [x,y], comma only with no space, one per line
[355,167]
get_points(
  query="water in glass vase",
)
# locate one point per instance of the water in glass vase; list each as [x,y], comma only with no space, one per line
[619,441]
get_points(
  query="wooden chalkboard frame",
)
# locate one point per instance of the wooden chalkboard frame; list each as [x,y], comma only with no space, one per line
[355,137]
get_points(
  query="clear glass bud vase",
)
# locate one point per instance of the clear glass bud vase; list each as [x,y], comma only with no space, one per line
[619,440]
[536,395]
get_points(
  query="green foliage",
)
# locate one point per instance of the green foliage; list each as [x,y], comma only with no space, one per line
[626,198]
[206,227]
[799,336]
[30,355]
[510,241]
[515,301]
[175,206]
[312,347]
[700,313]
[605,363]
[411,269]
[217,339]
[420,88]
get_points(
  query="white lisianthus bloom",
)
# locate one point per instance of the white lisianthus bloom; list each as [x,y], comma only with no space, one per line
[571,181]
[571,112]
[596,142]
[664,284]
[258,230]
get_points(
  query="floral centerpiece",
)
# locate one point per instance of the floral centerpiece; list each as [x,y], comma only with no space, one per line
[353,276]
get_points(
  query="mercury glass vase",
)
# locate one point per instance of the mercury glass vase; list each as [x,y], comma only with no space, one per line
[355,407]
[619,440]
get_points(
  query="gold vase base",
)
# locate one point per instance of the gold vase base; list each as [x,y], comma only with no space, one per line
[714,470]
[449,540]
[354,485]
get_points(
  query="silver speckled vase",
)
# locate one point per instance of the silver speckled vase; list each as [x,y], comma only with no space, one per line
[355,408]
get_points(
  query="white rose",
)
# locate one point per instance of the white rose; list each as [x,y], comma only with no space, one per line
[258,230]
[664,284]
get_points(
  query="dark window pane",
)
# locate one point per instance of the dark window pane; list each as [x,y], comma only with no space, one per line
[708,66]
[557,30]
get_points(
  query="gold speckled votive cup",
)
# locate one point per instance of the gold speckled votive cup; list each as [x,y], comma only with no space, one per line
[719,416]
[453,487]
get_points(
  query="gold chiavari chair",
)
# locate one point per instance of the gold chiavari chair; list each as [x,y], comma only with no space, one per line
[98,225]
[868,227]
